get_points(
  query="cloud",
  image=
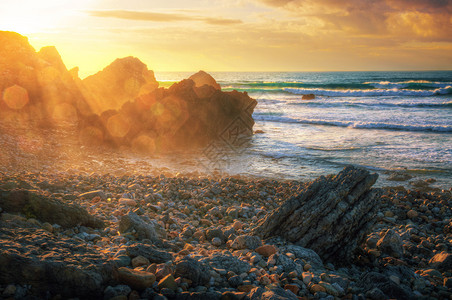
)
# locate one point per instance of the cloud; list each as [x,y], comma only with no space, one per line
[160,17]
[415,19]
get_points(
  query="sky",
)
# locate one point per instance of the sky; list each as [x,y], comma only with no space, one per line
[240,35]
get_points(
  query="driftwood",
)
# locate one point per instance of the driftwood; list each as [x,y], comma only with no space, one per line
[330,216]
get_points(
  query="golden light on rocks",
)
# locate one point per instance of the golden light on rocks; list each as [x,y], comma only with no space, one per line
[91,135]
[65,112]
[118,125]
[144,143]
[15,97]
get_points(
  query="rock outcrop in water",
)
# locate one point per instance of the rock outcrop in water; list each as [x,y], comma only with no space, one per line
[330,216]
[120,105]
[121,81]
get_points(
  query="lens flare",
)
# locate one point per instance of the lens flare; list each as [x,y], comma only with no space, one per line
[118,125]
[15,97]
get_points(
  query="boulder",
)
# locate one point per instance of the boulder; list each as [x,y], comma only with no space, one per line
[38,87]
[330,216]
[246,242]
[442,261]
[193,270]
[121,81]
[227,262]
[274,293]
[136,279]
[308,97]
[391,243]
[202,78]
[143,230]
[52,265]
[372,280]
[148,252]
[47,209]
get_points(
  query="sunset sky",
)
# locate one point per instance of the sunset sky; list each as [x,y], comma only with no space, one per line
[240,35]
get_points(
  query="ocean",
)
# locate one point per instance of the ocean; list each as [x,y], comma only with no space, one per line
[384,121]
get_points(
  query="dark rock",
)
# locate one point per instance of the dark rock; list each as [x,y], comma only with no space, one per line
[246,242]
[391,243]
[235,281]
[304,253]
[227,262]
[330,216]
[275,293]
[118,290]
[308,97]
[211,233]
[149,252]
[282,260]
[143,230]
[35,205]
[373,280]
[52,265]
[442,261]
[193,270]
[139,280]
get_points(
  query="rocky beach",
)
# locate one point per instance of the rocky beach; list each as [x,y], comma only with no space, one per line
[88,212]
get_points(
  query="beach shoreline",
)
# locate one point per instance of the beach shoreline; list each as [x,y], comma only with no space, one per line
[200,217]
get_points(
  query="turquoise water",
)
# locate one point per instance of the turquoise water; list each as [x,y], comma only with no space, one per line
[381,120]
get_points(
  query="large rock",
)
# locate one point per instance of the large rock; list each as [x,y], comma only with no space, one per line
[52,265]
[136,279]
[372,280]
[121,81]
[149,252]
[391,243]
[202,78]
[47,209]
[193,270]
[36,87]
[143,230]
[274,293]
[330,216]
[442,261]
[227,262]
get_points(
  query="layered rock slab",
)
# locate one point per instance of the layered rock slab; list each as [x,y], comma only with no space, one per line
[330,216]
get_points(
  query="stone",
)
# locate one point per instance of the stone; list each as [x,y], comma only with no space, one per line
[273,293]
[375,294]
[46,263]
[47,209]
[168,282]
[143,230]
[121,81]
[442,261]
[136,279]
[411,214]
[216,242]
[309,255]
[391,243]
[128,202]
[140,261]
[266,250]
[115,291]
[293,288]
[193,270]
[148,252]
[308,97]
[202,78]
[215,233]
[227,262]
[246,242]
[235,281]
[317,288]
[92,194]
[330,216]
[282,260]
[373,280]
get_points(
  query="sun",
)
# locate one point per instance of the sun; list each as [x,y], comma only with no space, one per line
[30,16]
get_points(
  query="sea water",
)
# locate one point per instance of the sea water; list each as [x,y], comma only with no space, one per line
[383,121]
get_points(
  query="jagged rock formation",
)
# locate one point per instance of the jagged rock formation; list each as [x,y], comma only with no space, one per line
[183,115]
[36,86]
[120,105]
[121,81]
[36,205]
[330,216]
